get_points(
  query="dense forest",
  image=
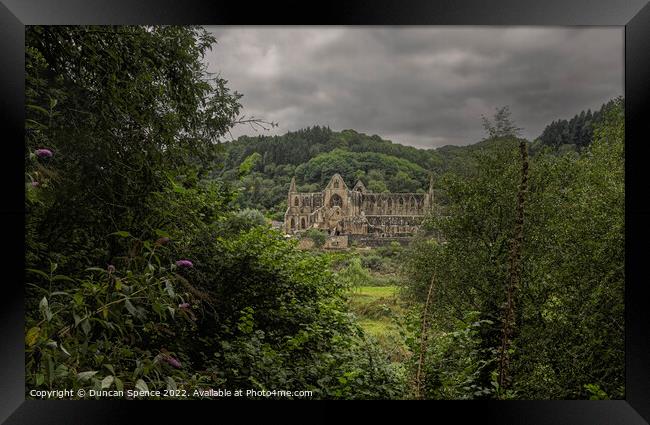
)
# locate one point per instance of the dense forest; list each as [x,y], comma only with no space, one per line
[151,263]
[314,154]
[576,132]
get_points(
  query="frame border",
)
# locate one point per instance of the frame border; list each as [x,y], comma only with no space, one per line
[633,14]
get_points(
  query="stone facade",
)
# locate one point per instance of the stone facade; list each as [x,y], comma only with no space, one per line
[336,242]
[339,210]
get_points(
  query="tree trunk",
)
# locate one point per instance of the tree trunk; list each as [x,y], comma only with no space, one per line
[419,377]
[508,324]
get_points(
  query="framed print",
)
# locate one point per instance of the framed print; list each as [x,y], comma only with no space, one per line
[442,204]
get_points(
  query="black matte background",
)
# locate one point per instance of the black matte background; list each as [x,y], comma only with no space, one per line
[14,14]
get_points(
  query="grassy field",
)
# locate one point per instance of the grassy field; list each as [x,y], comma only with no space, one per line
[380,311]
[366,294]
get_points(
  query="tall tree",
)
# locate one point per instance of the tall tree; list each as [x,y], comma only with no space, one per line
[501,125]
[120,108]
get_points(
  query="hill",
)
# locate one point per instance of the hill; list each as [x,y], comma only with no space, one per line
[261,167]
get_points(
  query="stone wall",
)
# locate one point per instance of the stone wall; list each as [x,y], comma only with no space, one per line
[370,241]
[393,203]
[336,242]
[340,211]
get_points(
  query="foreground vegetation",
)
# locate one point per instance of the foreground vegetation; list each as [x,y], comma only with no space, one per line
[151,264]
[142,274]
[532,311]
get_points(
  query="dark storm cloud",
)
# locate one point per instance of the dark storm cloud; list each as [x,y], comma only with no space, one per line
[421,86]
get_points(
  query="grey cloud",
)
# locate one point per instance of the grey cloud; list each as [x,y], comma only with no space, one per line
[422,86]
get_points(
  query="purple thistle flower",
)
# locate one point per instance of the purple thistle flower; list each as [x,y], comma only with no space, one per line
[111,268]
[43,153]
[184,305]
[184,263]
[34,184]
[162,241]
[173,362]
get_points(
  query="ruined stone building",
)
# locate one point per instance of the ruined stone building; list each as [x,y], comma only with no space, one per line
[356,212]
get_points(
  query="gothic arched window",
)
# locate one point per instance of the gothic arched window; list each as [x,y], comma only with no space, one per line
[293,223]
[295,202]
[336,184]
[302,222]
[336,201]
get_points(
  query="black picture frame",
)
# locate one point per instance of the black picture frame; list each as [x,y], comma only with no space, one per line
[633,14]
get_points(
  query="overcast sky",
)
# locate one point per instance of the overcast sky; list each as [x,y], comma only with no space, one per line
[419,86]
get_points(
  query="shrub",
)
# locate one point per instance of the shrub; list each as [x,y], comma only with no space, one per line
[116,328]
[315,235]
[242,220]
[372,262]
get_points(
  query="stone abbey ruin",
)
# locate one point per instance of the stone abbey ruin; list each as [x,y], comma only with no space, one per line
[356,214]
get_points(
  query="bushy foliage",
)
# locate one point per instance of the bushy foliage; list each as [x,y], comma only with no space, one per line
[280,320]
[242,220]
[122,109]
[569,310]
[456,360]
[318,236]
[143,273]
[384,259]
[115,328]
[400,175]
[260,314]
[372,262]
[354,274]
[573,309]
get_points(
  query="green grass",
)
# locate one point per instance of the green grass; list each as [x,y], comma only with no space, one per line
[377,327]
[378,310]
[375,301]
[373,293]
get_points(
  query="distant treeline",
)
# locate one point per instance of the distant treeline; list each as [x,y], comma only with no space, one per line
[297,147]
[261,167]
[577,131]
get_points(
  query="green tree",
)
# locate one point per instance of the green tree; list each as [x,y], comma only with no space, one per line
[402,182]
[124,109]
[572,323]
[501,125]
[249,164]
[377,186]
[568,337]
